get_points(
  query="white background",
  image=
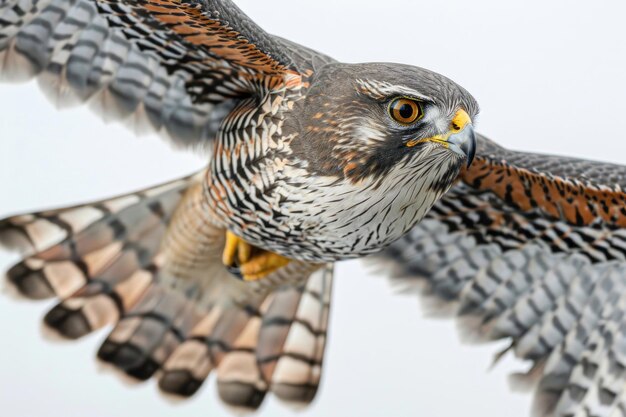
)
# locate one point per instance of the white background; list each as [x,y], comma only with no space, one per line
[549,77]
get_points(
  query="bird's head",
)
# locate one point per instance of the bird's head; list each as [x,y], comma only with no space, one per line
[373,147]
[386,122]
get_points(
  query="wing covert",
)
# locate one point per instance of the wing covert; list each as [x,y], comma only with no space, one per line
[531,248]
[177,66]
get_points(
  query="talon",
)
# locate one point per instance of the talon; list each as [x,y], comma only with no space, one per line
[244,251]
[251,263]
[230,249]
[262,265]
[235,271]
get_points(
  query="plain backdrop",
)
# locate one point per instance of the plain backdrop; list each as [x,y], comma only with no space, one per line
[549,76]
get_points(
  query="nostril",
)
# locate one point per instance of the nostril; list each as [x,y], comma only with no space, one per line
[455,127]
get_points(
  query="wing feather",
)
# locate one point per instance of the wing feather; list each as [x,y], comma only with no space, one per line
[171,66]
[531,248]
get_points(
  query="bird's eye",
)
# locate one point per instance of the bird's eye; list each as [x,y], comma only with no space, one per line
[405,111]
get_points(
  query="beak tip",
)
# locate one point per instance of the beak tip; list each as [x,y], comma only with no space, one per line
[465,143]
[471,148]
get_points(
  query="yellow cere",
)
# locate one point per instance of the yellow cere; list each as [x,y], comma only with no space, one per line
[458,123]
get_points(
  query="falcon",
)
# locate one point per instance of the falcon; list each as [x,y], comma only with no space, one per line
[309,161]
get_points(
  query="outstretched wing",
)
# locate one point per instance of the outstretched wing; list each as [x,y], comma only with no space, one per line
[177,66]
[532,248]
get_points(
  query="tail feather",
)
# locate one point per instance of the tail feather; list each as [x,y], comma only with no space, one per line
[146,336]
[99,303]
[205,346]
[56,234]
[239,379]
[297,374]
[275,328]
[107,264]
[188,366]
[281,349]
[68,247]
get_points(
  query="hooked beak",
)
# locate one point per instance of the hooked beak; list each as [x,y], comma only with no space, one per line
[460,138]
[464,143]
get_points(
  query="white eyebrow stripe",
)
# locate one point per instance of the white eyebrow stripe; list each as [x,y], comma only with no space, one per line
[381,89]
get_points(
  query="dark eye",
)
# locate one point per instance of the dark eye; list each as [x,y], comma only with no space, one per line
[405,111]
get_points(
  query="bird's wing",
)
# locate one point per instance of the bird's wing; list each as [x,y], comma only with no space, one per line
[177,66]
[532,248]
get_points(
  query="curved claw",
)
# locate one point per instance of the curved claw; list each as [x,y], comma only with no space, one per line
[248,262]
[236,247]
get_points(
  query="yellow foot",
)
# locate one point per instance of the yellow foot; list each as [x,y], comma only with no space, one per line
[249,262]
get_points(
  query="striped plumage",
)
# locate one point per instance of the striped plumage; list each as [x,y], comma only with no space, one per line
[305,163]
[107,263]
[530,248]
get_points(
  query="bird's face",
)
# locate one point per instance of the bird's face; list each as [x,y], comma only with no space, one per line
[377,145]
[364,121]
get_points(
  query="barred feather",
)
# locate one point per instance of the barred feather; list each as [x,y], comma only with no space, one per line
[65,247]
[174,309]
[551,281]
[134,63]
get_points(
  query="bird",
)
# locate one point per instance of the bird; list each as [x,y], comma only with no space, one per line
[311,161]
